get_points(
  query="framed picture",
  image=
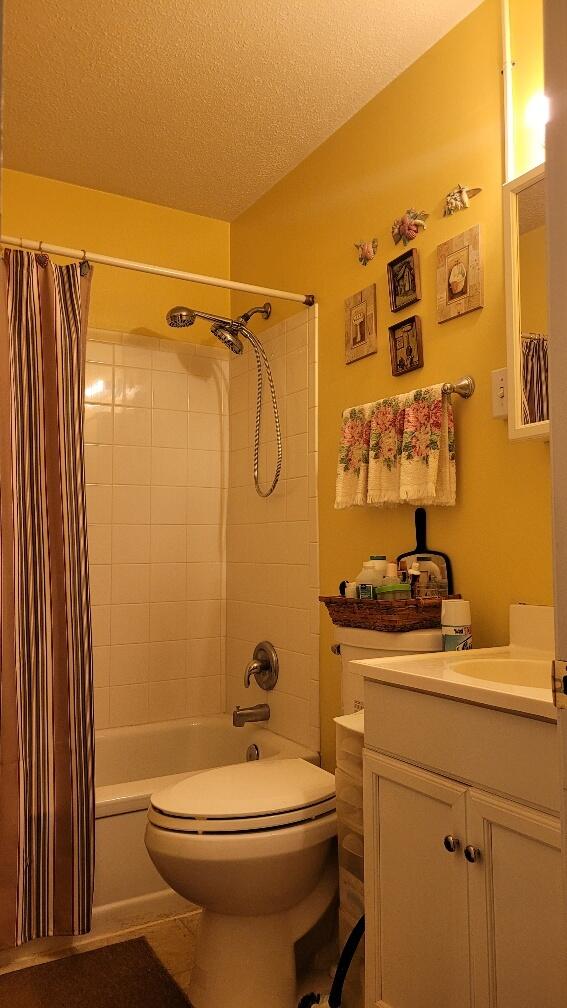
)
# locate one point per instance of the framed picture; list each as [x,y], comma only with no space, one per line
[460,286]
[404,281]
[406,349]
[360,324]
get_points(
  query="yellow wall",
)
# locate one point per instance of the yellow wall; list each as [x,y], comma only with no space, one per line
[526,38]
[438,124]
[75,217]
[533,285]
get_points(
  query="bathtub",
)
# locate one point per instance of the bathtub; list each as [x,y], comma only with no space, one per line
[131,764]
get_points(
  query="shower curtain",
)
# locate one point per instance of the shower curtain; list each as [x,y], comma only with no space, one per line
[535,396]
[46,722]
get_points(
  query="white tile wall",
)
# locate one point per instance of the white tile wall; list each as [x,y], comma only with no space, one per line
[155,487]
[272,545]
[189,567]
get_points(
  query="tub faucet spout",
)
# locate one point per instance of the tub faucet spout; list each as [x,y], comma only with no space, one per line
[241,715]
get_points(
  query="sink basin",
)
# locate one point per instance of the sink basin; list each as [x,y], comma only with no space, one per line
[514,678]
[504,678]
[530,672]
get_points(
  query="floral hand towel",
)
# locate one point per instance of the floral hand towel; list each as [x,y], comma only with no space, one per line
[352,471]
[398,451]
[412,450]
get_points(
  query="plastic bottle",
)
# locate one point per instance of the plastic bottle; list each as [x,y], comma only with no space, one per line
[414,575]
[380,564]
[368,580]
[456,628]
[392,575]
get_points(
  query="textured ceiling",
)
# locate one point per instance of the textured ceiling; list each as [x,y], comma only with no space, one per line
[531,207]
[198,105]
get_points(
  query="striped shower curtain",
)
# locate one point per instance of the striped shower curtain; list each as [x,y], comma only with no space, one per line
[535,396]
[46,723]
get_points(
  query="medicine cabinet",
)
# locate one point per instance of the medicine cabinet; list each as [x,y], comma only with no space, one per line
[525,242]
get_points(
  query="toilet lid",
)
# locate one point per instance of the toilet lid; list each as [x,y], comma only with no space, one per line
[257,795]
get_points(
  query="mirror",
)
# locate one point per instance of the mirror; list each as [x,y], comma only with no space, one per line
[526,308]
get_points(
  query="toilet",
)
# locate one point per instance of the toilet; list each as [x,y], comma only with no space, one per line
[354,645]
[253,844]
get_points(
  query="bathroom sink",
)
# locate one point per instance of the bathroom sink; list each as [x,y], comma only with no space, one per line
[515,678]
[530,672]
[501,678]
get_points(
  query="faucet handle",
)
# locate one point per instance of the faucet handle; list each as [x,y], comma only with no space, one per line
[254,668]
[264,666]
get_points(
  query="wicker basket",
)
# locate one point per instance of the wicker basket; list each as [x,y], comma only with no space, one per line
[393,615]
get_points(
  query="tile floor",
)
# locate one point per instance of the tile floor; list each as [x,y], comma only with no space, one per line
[173,940]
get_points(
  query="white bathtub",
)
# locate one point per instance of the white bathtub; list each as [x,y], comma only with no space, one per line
[131,764]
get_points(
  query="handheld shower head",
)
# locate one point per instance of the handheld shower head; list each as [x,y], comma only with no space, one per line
[224,329]
[228,336]
[229,331]
[180,317]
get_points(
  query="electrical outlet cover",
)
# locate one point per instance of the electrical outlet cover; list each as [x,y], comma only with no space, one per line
[500,393]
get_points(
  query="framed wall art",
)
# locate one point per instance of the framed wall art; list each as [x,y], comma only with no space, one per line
[360,325]
[406,348]
[404,281]
[460,286]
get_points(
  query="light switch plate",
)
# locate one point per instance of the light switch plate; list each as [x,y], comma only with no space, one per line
[500,393]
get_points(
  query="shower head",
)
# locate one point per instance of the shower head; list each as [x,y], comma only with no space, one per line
[228,334]
[232,332]
[180,317]
[264,310]
[227,330]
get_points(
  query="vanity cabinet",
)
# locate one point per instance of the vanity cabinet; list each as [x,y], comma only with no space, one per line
[516,898]
[417,946]
[462,888]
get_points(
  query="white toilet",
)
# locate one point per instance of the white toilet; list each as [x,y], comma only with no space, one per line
[253,845]
[356,645]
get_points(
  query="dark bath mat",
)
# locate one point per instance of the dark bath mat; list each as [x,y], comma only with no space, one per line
[125,975]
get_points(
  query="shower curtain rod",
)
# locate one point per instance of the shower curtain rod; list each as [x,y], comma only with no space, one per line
[129,264]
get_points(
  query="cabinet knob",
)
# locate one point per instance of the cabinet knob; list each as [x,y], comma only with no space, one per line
[472,854]
[451,843]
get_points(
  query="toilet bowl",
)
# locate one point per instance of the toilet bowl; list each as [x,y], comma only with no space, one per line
[253,845]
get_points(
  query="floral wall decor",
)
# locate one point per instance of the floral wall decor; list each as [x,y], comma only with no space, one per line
[366,251]
[360,324]
[406,228]
[459,199]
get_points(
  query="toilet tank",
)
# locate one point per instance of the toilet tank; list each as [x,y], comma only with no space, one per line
[356,645]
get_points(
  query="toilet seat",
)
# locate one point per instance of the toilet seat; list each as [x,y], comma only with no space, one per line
[245,798]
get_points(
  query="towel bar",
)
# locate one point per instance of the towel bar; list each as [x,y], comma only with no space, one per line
[464,387]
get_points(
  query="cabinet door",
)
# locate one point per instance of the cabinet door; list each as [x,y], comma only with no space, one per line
[417,942]
[515,904]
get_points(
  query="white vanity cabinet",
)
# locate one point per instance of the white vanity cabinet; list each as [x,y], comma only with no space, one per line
[515,899]
[462,886]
